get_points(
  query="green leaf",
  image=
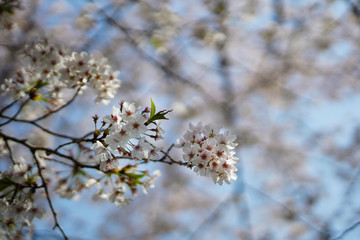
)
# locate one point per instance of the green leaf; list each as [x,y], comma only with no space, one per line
[39,84]
[81,172]
[135,176]
[155,42]
[153,109]
[158,116]
[5,183]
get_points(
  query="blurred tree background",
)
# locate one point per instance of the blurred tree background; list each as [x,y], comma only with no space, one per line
[282,75]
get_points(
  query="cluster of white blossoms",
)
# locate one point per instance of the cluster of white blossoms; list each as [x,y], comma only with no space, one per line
[126,134]
[16,215]
[126,137]
[208,150]
[71,187]
[119,146]
[116,192]
[17,206]
[110,186]
[50,70]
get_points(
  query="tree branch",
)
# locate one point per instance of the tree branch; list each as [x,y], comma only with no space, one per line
[16,114]
[60,108]
[56,224]
[8,106]
[47,150]
[347,230]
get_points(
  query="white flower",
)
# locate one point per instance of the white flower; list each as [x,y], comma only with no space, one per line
[201,169]
[136,126]
[139,149]
[81,62]
[109,164]
[209,144]
[149,181]
[116,196]
[190,152]
[56,70]
[204,157]
[101,152]
[227,140]
[3,148]
[153,154]
[13,89]
[118,136]
[211,130]
[114,117]
[37,212]
[104,82]
[20,167]
[128,109]
[91,182]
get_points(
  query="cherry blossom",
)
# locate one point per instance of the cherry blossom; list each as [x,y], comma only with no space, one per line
[149,181]
[52,69]
[115,152]
[208,151]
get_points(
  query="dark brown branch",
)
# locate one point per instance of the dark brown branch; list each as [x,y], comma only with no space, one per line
[56,224]
[16,114]
[10,152]
[8,106]
[54,133]
[39,118]
[167,156]
[58,161]
[60,108]
[47,150]
[74,141]
[33,122]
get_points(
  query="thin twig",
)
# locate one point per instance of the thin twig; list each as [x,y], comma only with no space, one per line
[166,155]
[219,208]
[10,152]
[347,230]
[47,150]
[38,126]
[33,122]
[74,141]
[53,133]
[16,114]
[283,206]
[342,203]
[60,108]
[8,106]
[56,224]
[41,117]
[58,161]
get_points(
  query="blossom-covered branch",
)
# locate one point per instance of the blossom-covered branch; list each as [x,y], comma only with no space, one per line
[106,158]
